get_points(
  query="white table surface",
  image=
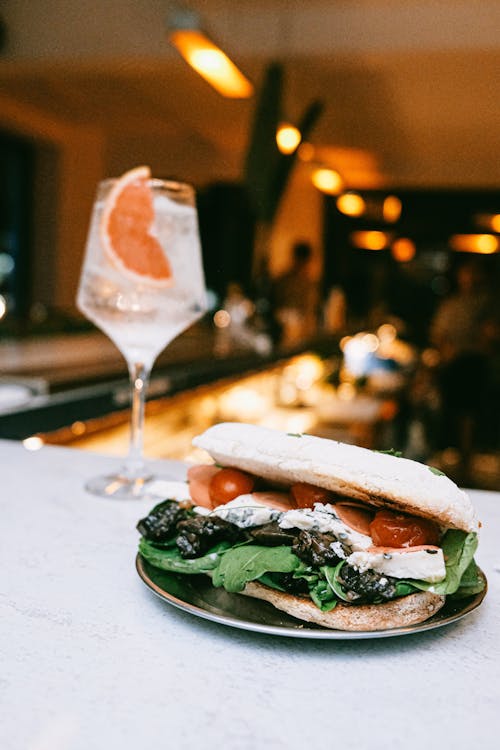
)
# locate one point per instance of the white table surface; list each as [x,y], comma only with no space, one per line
[91,659]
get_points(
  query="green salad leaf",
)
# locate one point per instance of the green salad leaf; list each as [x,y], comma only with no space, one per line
[268,579]
[319,590]
[171,559]
[233,566]
[322,595]
[470,583]
[403,588]
[458,549]
[240,565]
[331,574]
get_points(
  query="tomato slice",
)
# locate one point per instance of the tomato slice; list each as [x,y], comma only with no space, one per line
[355,515]
[390,529]
[305,495]
[199,478]
[278,500]
[228,484]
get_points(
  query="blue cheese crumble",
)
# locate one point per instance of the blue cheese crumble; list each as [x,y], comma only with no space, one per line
[244,511]
[322,518]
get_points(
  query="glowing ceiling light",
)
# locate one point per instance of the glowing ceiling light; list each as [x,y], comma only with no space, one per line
[327,180]
[403,249]
[391,209]
[484,244]
[204,56]
[488,221]
[288,138]
[370,240]
[351,204]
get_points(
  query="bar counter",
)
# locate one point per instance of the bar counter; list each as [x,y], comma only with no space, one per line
[82,377]
[91,659]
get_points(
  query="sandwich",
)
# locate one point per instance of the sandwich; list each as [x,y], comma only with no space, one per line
[334,534]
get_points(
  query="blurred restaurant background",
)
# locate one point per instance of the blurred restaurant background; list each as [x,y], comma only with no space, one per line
[348,196]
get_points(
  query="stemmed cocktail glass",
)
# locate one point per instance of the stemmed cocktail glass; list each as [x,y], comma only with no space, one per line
[142,284]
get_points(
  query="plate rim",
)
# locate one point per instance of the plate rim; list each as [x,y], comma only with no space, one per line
[306,631]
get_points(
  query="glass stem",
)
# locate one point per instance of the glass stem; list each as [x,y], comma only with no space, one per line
[139,378]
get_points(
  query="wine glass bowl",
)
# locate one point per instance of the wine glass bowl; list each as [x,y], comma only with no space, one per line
[142,284]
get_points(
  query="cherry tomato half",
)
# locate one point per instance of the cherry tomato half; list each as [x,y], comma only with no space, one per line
[305,495]
[199,478]
[389,529]
[228,484]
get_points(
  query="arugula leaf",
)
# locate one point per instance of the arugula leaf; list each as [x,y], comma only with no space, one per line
[171,559]
[307,572]
[458,549]
[331,574]
[403,588]
[438,472]
[242,564]
[318,588]
[470,583]
[268,580]
[322,595]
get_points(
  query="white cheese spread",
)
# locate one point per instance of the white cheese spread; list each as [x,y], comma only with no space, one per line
[422,565]
[245,511]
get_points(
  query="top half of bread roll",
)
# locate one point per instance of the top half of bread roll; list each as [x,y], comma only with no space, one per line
[348,470]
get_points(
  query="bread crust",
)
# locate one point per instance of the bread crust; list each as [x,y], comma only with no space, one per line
[398,613]
[348,470]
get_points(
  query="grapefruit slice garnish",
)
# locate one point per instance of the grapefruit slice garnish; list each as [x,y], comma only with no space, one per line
[125,230]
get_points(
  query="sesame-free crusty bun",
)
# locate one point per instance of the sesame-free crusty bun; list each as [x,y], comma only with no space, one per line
[351,471]
[398,613]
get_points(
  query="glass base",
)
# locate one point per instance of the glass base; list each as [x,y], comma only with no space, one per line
[121,487]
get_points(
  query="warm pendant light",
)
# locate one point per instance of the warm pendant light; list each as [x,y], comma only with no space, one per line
[327,180]
[403,249]
[484,244]
[351,204]
[370,239]
[288,138]
[201,53]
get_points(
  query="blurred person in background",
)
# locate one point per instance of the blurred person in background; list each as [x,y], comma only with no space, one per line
[296,298]
[460,332]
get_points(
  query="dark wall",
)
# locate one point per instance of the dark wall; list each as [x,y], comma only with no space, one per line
[226,228]
[16,211]
[410,290]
